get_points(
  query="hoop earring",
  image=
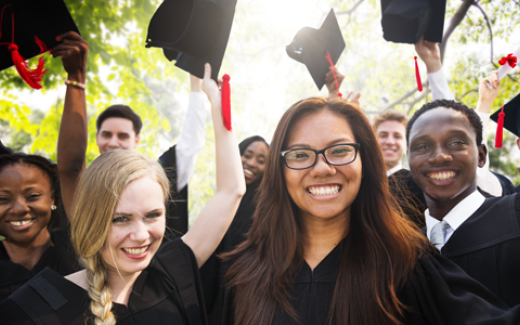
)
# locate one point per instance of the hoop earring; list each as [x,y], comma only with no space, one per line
[53,207]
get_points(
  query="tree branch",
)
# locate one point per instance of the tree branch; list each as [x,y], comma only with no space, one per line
[351,10]
[415,101]
[401,99]
[489,28]
[459,99]
[454,22]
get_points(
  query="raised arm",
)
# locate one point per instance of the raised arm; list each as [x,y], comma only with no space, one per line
[191,140]
[73,136]
[431,56]
[214,220]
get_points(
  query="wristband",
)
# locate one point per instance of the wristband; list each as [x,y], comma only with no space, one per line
[75,84]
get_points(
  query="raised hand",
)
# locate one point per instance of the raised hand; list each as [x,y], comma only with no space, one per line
[430,53]
[210,87]
[73,51]
[331,83]
[486,95]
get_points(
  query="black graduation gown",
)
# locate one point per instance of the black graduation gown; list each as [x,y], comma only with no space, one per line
[211,272]
[507,187]
[166,292]
[177,208]
[60,257]
[487,247]
[437,293]
[409,196]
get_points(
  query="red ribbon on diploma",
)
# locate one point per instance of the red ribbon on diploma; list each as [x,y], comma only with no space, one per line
[509,59]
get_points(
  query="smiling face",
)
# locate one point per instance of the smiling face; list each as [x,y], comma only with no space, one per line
[322,191]
[116,133]
[137,227]
[25,204]
[391,138]
[444,156]
[253,161]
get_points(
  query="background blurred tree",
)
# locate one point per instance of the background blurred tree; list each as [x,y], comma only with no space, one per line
[265,81]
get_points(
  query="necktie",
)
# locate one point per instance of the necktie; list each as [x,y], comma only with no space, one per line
[438,234]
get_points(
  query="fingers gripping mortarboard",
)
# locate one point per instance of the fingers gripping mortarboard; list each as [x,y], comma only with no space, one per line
[510,119]
[310,46]
[29,28]
[192,33]
[406,21]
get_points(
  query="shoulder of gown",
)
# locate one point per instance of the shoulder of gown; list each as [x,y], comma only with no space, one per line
[440,292]
[47,298]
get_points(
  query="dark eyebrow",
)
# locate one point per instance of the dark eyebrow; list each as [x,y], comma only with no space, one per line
[301,145]
[122,214]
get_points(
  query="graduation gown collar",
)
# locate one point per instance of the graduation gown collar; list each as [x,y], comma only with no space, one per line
[494,222]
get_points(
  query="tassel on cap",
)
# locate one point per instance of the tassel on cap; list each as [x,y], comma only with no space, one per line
[32,77]
[418,76]
[329,58]
[226,102]
[500,129]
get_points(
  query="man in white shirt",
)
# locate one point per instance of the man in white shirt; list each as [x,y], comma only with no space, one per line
[481,235]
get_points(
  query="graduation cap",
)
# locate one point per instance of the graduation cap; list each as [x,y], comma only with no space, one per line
[29,28]
[406,21]
[310,46]
[507,117]
[4,150]
[192,33]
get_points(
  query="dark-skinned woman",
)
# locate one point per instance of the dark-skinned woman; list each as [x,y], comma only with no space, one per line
[254,152]
[35,193]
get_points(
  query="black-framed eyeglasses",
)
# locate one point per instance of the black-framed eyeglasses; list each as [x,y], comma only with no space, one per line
[335,155]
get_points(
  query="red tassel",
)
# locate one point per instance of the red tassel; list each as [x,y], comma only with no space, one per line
[329,58]
[500,129]
[31,77]
[226,102]
[418,76]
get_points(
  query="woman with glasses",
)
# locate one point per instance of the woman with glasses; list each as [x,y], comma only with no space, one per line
[329,245]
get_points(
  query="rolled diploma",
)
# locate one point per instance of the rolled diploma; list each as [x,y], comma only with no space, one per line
[504,70]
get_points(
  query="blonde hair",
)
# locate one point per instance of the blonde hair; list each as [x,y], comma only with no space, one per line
[95,201]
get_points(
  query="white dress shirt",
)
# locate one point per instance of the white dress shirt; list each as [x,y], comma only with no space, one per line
[191,140]
[457,216]
[393,170]
[486,180]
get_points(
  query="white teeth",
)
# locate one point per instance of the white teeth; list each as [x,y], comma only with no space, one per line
[248,172]
[441,176]
[20,223]
[136,251]
[324,190]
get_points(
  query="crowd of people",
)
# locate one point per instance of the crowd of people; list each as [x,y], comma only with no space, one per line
[322,225]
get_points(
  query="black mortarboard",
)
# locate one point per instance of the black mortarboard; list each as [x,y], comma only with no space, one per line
[406,21]
[511,117]
[4,150]
[310,46]
[44,19]
[193,32]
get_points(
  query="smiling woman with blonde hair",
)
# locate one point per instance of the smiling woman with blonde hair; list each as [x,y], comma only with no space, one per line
[117,229]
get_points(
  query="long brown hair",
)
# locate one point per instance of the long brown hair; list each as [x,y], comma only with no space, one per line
[379,252]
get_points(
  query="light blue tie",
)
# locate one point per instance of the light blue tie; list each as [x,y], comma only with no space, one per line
[438,234]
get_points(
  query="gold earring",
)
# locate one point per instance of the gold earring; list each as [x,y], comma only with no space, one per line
[53,207]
